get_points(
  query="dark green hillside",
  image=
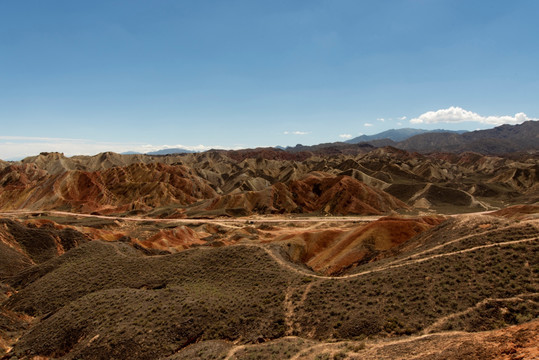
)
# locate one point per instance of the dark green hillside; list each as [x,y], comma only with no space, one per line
[154,304]
[24,245]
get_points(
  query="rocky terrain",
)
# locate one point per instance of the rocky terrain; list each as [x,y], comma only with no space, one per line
[269,181]
[361,253]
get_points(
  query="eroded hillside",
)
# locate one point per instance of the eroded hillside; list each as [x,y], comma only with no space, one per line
[268,181]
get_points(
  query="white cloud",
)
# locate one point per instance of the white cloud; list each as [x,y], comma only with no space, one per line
[399,123]
[18,147]
[381,119]
[402,118]
[295,132]
[368,124]
[455,114]
[345,136]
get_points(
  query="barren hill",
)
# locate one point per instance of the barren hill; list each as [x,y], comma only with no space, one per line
[269,181]
[22,246]
[339,195]
[138,186]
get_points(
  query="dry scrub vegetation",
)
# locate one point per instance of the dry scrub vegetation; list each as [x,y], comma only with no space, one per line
[248,301]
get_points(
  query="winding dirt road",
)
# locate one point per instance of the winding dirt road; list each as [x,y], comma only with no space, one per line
[249,220]
[388,266]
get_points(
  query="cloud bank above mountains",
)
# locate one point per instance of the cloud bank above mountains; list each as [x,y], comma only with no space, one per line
[455,114]
[18,147]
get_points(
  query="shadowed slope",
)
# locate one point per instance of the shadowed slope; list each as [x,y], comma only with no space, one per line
[149,306]
[23,245]
[313,194]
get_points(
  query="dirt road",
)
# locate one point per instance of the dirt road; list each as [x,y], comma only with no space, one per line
[201,221]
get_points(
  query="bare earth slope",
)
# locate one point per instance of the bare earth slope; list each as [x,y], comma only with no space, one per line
[264,181]
[138,186]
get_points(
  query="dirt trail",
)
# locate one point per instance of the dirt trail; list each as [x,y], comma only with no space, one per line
[237,348]
[233,220]
[444,319]
[501,341]
[290,307]
[336,346]
[516,226]
[289,310]
[201,221]
[233,351]
[305,293]
[388,266]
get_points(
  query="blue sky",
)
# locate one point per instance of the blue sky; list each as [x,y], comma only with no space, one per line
[84,77]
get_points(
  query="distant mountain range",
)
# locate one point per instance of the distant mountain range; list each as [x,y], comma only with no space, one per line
[131,153]
[171,151]
[162,152]
[499,140]
[398,135]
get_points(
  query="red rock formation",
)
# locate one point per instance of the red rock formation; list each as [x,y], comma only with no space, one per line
[315,194]
[138,186]
[179,238]
[333,250]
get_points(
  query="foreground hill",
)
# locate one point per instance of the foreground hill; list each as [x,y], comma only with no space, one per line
[469,273]
[22,246]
